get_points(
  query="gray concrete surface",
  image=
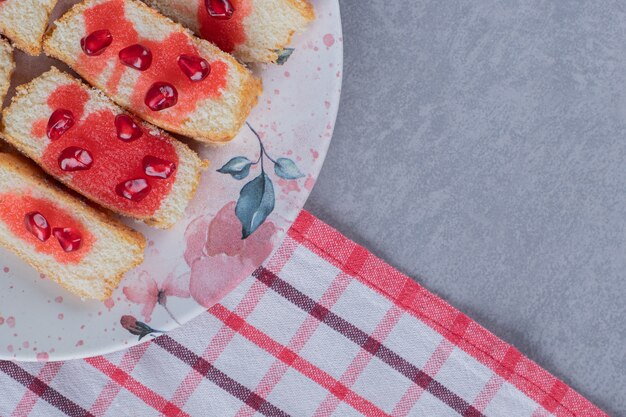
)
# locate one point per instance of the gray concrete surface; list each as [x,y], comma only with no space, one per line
[481,149]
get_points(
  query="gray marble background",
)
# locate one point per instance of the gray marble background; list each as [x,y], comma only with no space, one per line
[481,149]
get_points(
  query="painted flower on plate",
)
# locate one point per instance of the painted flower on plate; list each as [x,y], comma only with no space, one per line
[137,327]
[219,258]
[147,291]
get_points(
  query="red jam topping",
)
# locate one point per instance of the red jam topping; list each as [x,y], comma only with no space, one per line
[60,122]
[127,129]
[134,190]
[161,96]
[37,225]
[225,33]
[219,9]
[194,67]
[111,14]
[114,161]
[96,42]
[157,167]
[69,239]
[75,159]
[35,220]
[136,56]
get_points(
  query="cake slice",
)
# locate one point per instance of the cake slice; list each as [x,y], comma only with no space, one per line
[7,65]
[75,245]
[25,21]
[85,141]
[252,30]
[155,68]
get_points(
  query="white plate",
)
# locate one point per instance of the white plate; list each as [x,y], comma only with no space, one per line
[203,256]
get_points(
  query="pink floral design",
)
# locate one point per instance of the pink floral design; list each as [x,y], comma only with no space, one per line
[219,258]
[145,290]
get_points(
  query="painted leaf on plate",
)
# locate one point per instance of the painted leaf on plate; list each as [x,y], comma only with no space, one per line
[287,169]
[238,167]
[284,55]
[256,202]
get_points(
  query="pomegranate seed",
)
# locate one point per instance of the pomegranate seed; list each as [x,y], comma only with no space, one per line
[75,159]
[195,68]
[127,129]
[161,96]
[219,9]
[69,239]
[157,167]
[60,122]
[97,42]
[136,56]
[133,190]
[37,224]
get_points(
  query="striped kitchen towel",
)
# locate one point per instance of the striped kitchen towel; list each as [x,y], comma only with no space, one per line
[324,328]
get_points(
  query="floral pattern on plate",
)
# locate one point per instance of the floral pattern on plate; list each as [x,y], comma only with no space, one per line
[246,201]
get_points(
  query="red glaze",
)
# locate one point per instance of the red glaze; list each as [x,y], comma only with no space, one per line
[70,239]
[127,129]
[136,56]
[161,96]
[75,159]
[96,42]
[110,14]
[60,122]
[134,190]
[157,167]
[13,209]
[226,34]
[37,224]
[114,161]
[194,67]
[219,9]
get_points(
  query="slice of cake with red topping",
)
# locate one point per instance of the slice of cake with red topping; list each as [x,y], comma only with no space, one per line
[252,30]
[155,68]
[25,21]
[85,141]
[7,65]
[68,241]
